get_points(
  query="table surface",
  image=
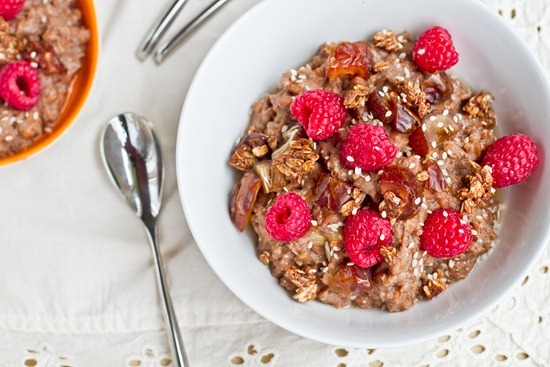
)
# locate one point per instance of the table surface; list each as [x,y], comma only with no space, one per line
[77,282]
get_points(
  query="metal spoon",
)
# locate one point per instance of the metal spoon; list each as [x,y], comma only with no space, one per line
[133,158]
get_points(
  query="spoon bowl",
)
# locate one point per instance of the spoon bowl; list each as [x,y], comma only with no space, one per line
[132,156]
[133,159]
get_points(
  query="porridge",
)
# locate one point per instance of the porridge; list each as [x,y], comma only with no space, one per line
[41,50]
[369,174]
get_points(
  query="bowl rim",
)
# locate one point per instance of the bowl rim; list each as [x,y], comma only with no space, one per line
[194,223]
[73,105]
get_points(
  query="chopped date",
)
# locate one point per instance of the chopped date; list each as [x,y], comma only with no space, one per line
[438,87]
[349,58]
[400,190]
[243,200]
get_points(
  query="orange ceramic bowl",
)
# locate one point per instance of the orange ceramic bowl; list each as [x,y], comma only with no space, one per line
[80,88]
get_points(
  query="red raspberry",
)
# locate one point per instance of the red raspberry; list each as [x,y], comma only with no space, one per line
[320,112]
[512,158]
[364,234]
[368,147]
[434,50]
[20,85]
[289,218]
[445,234]
[10,8]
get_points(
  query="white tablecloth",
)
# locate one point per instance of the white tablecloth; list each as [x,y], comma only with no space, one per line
[77,286]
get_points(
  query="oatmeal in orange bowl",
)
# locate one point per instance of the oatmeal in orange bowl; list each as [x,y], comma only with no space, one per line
[48,57]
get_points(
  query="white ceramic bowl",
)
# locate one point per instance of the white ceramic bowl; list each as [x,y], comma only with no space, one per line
[248,61]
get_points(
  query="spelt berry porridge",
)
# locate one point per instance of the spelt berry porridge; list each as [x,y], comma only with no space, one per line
[42,45]
[370,173]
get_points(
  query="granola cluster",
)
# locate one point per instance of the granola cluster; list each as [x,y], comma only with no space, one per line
[304,281]
[11,44]
[389,41]
[413,96]
[480,106]
[357,96]
[436,283]
[247,152]
[352,206]
[389,253]
[479,189]
[296,161]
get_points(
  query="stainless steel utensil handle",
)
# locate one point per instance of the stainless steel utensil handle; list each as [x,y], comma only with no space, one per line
[158,30]
[169,314]
[169,45]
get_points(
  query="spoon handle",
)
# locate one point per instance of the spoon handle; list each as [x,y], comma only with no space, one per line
[169,314]
[167,47]
[158,30]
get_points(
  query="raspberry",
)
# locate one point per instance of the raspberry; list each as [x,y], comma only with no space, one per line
[10,8]
[19,85]
[364,234]
[512,158]
[320,112]
[289,218]
[445,235]
[434,50]
[368,147]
